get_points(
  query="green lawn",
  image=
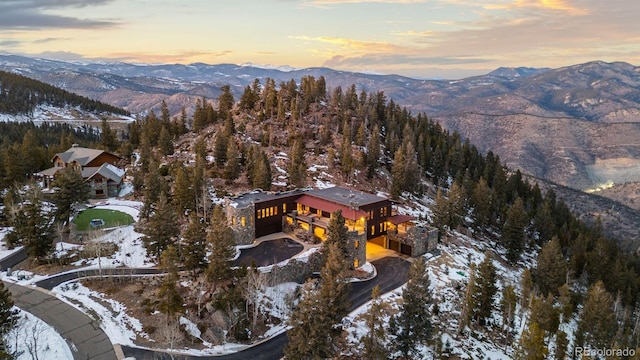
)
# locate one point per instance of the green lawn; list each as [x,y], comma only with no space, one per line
[111,218]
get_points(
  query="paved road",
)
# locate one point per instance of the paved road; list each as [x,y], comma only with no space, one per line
[14,259]
[269,252]
[83,335]
[392,273]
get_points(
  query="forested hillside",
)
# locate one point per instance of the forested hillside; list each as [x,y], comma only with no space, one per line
[368,142]
[20,95]
[289,135]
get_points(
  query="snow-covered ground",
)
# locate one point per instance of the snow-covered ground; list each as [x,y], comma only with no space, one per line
[34,339]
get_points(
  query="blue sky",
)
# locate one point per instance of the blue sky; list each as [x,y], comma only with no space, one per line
[420,38]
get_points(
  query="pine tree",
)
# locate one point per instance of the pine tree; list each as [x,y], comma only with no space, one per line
[545,314]
[532,345]
[398,174]
[513,230]
[484,290]
[164,141]
[220,148]
[315,323]
[551,271]
[183,191]
[162,228]
[232,166]
[373,152]
[70,189]
[31,226]
[412,325]
[8,320]
[195,245]
[373,341]
[225,102]
[108,138]
[481,204]
[597,324]
[448,211]
[168,295]
[337,234]
[562,345]
[221,248]
[262,175]
[297,169]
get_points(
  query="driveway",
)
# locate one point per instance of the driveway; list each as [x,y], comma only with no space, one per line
[392,273]
[269,252]
[83,335]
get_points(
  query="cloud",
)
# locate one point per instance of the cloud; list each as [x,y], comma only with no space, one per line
[399,59]
[10,43]
[178,57]
[351,44]
[34,15]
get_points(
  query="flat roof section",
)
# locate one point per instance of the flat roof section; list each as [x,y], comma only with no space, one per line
[346,197]
[254,197]
[330,207]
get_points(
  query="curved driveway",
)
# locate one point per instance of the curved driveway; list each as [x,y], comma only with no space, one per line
[392,273]
[83,335]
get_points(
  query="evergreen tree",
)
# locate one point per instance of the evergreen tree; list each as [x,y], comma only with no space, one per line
[169,297]
[373,341]
[373,152]
[164,142]
[532,345]
[545,314]
[225,103]
[526,287]
[70,189]
[412,326]
[262,175]
[597,325]
[162,228]
[183,191]
[195,245]
[8,320]
[551,271]
[562,345]
[108,138]
[483,291]
[297,169]
[232,167]
[30,225]
[513,230]
[221,248]
[315,323]
[220,148]
[448,211]
[337,234]
[481,204]
[398,174]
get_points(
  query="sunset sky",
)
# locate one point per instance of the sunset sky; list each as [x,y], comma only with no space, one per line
[418,38]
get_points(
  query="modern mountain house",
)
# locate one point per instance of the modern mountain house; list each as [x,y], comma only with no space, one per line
[368,217]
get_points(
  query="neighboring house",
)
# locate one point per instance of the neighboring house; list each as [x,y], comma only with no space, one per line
[98,167]
[368,218]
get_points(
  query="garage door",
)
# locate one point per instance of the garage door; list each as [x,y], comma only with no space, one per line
[378,240]
[405,249]
[394,245]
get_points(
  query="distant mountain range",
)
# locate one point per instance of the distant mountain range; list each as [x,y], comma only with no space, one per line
[577,126]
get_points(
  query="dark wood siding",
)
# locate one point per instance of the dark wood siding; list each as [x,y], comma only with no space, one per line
[268,214]
[377,216]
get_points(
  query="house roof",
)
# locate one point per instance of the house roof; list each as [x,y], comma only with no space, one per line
[346,197]
[81,155]
[107,171]
[50,171]
[399,219]
[330,206]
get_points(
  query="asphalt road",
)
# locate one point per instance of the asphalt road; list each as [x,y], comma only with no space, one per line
[83,335]
[13,259]
[392,273]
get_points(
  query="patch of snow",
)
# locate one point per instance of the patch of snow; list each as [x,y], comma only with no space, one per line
[34,338]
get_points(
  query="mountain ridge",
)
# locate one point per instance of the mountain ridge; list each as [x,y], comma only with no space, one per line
[550,123]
